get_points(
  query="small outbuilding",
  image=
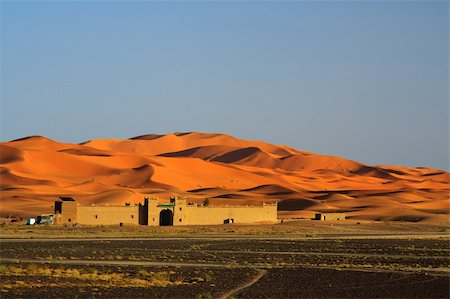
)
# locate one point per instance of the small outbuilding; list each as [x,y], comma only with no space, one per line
[330,216]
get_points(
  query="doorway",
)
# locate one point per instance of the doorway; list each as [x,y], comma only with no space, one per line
[166,217]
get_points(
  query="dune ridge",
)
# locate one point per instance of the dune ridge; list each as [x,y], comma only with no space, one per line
[36,170]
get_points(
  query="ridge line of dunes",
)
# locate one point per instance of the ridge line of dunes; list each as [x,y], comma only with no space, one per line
[35,170]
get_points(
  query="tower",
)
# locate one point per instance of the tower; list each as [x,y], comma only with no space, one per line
[179,217]
[152,211]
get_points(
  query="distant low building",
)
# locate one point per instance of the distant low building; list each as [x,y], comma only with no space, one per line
[330,216]
[152,213]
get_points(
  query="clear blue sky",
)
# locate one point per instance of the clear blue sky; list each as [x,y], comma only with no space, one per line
[362,80]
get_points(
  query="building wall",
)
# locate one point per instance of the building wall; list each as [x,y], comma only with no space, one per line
[330,216]
[108,215]
[197,215]
[153,212]
[149,214]
[181,212]
[69,213]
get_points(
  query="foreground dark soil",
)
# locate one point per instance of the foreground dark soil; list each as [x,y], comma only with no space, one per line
[424,255]
[212,283]
[327,283]
[184,282]
[308,267]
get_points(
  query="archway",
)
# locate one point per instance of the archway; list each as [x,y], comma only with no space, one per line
[166,217]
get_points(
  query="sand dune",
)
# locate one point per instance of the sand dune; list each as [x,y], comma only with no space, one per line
[8,178]
[374,172]
[36,170]
[87,152]
[10,154]
[111,197]
[270,189]
[207,152]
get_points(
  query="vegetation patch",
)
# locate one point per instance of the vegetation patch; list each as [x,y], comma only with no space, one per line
[89,276]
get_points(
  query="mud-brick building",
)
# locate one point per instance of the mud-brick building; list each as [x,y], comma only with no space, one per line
[330,216]
[176,212]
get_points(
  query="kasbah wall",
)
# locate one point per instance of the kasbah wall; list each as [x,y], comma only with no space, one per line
[152,213]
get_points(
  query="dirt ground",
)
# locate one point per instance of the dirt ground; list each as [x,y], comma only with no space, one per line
[297,229]
[184,282]
[266,266]
[330,283]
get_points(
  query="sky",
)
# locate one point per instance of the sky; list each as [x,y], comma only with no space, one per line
[364,80]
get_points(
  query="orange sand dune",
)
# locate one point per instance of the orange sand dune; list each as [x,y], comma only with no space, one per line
[35,170]
[161,144]
[10,154]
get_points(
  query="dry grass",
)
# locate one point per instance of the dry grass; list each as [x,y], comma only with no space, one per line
[296,228]
[88,276]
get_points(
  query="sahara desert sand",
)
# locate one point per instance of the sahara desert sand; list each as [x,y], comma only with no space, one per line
[36,170]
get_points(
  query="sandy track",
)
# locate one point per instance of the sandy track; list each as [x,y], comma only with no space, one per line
[197,265]
[120,263]
[363,255]
[235,291]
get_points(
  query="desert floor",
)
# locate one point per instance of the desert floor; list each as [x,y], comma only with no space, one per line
[290,260]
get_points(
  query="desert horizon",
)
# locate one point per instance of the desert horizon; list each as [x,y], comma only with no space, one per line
[228,171]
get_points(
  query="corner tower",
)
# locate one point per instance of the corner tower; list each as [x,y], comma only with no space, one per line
[153,212]
[179,217]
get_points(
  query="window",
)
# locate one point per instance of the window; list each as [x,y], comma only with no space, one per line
[69,220]
[180,219]
[96,216]
[181,209]
[132,216]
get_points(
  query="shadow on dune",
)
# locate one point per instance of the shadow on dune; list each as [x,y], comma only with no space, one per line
[295,204]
